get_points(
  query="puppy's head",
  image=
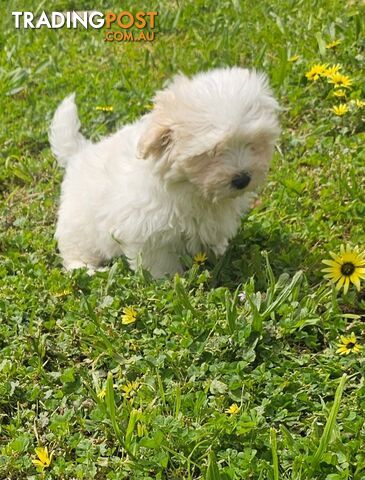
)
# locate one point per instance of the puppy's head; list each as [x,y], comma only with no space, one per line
[216,131]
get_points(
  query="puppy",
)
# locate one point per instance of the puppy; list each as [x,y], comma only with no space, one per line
[175,182]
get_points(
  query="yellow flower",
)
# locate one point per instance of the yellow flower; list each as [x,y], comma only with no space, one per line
[294,58]
[105,109]
[333,44]
[101,394]
[359,103]
[130,389]
[44,459]
[129,315]
[345,268]
[316,71]
[340,109]
[332,70]
[348,345]
[339,80]
[233,409]
[339,93]
[63,293]
[200,258]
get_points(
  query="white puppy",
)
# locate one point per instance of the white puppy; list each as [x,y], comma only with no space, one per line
[175,182]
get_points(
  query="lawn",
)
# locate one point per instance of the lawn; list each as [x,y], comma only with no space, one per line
[231,371]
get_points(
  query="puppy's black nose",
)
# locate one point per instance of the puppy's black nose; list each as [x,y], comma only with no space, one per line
[241,180]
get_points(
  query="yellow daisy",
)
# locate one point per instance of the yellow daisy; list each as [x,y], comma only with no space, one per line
[233,409]
[44,459]
[348,345]
[130,389]
[129,315]
[340,109]
[332,70]
[316,71]
[360,103]
[101,394]
[200,258]
[333,44]
[339,93]
[340,81]
[62,293]
[345,268]
[108,108]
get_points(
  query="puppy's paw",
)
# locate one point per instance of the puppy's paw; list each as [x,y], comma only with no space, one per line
[91,269]
[220,249]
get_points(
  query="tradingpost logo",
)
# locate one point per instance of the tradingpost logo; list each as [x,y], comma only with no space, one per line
[124,26]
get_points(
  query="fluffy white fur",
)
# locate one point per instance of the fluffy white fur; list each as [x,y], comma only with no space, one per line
[173,182]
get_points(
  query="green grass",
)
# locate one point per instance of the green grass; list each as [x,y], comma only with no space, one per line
[149,400]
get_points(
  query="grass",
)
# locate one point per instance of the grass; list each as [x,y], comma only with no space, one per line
[150,400]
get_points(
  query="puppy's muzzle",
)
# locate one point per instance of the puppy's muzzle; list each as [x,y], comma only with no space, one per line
[241,180]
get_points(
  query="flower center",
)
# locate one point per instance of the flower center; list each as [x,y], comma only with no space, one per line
[350,345]
[347,269]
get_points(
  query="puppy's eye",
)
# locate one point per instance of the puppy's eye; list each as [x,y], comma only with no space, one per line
[241,180]
[252,146]
[257,148]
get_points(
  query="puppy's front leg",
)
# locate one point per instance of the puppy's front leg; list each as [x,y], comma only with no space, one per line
[161,262]
[220,248]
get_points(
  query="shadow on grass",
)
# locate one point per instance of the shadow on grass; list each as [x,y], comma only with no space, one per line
[244,258]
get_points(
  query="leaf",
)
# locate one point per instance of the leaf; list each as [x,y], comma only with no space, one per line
[213,470]
[289,441]
[274,453]
[259,58]
[153,442]
[284,294]
[330,425]
[257,318]
[231,310]
[183,296]
[133,417]
[110,404]
[321,44]
[218,387]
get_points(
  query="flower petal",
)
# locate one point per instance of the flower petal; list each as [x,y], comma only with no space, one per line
[355,280]
[346,285]
[360,272]
[42,454]
[333,276]
[332,263]
[340,283]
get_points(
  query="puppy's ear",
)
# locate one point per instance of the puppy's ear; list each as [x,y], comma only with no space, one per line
[155,142]
[157,138]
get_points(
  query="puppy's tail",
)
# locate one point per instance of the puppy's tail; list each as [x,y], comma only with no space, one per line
[64,135]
